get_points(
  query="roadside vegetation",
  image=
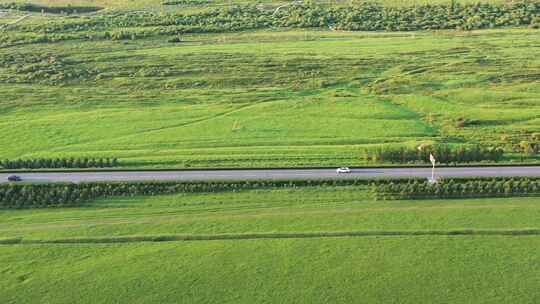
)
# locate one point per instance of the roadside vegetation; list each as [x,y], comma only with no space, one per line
[446,154]
[458,188]
[58,163]
[65,195]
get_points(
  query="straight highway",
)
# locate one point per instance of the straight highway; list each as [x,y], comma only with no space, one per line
[272,174]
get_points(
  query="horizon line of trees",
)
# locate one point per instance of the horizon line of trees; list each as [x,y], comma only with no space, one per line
[361,16]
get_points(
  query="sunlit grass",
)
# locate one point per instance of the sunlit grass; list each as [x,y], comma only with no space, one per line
[282,98]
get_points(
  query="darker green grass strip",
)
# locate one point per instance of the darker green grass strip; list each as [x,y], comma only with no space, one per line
[284,235]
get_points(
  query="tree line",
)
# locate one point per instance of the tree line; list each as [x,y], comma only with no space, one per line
[443,153]
[14,195]
[457,188]
[359,16]
[41,163]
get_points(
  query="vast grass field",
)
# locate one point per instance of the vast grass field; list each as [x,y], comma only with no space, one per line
[377,269]
[278,98]
[245,87]
[258,98]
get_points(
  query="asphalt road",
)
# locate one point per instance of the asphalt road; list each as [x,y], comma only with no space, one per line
[269,174]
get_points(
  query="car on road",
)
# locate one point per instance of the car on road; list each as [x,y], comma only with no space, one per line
[343,170]
[14,178]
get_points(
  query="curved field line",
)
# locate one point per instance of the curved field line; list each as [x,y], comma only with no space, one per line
[14,22]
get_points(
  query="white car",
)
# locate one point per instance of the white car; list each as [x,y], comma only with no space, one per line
[343,170]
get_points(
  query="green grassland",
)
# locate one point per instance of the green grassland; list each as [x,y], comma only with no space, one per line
[269,98]
[256,98]
[376,269]
[316,209]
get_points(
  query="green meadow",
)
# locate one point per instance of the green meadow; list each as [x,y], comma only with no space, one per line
[307,209]
[377,269]
[270,98]
[138,82]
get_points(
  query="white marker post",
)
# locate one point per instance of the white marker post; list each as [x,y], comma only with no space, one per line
[433,161]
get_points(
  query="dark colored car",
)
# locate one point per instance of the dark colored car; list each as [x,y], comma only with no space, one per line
[14,178]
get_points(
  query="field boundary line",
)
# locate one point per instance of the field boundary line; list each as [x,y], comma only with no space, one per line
[277,235]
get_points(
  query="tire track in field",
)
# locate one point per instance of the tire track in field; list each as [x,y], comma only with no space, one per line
[174,126]
[284,235]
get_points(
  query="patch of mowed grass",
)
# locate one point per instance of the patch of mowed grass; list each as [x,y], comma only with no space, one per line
[282,98]
[492,269]
[317,209]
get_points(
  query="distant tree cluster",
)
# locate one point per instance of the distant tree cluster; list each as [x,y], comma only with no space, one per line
[444,154]
[186,2]
[30,7]
[361,16]
[43,68]
[357,16]
[41,163]
[457,188]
